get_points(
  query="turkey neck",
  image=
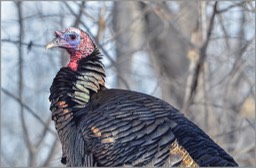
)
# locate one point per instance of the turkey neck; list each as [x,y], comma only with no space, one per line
[71,89]
[90,78]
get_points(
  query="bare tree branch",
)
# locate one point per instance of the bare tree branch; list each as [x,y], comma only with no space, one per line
[230,7]
[45,129]
[33,113]
[51,153]
[101,23]
[233,131]
[253,125]
[79,16]
[5,160]
[18,42]
[31,158]
[200,63]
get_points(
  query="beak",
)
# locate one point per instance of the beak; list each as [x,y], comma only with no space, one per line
[53,43]
[57,42]
[50,45]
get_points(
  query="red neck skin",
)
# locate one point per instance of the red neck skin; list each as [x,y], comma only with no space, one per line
[85,48]
[73,63]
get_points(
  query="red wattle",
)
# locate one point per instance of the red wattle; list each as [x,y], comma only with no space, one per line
[73,65]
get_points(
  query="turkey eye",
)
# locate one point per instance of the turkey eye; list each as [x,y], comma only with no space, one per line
[72,36]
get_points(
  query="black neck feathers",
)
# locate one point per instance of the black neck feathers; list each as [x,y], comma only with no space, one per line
[72,90]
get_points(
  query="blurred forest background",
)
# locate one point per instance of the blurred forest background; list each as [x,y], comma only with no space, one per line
[198,56]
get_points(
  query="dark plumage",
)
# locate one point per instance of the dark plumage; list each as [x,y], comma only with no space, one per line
[112,127]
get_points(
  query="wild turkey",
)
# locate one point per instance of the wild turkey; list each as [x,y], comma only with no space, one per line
[112,127]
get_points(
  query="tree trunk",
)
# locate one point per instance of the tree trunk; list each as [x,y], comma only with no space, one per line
[169,45]
[128,41]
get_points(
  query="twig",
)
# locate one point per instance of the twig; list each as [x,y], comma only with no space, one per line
[51,153]
[124,30]
[33,113]
[5,160]
[26,136]
[200,63]
[83,11]
[79,16]
[231,131]
[224,31]
[251,124]
[40,16]
[18,42]
[230,7]
[43,135]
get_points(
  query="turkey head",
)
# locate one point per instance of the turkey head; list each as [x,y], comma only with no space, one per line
[76,42]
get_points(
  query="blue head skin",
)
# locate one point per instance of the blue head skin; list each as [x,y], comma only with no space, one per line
[70,38]
[76,42]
